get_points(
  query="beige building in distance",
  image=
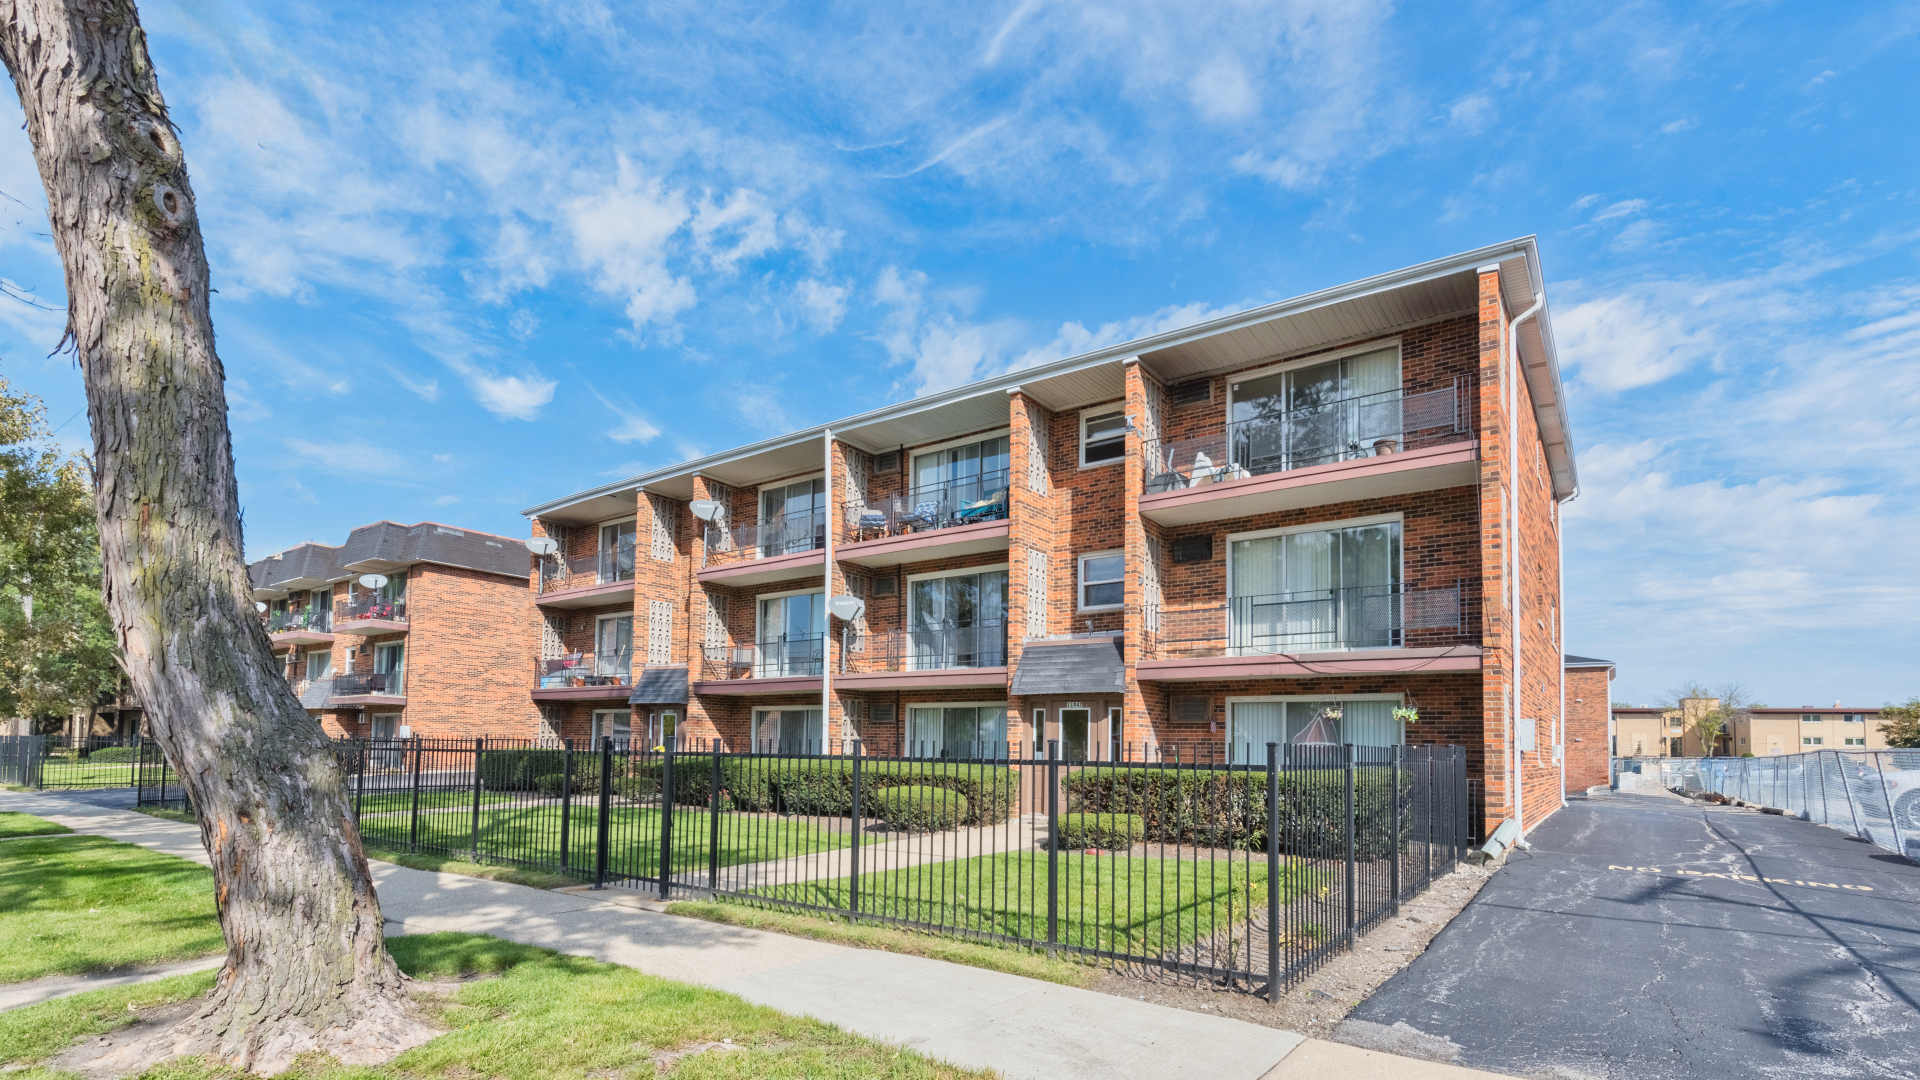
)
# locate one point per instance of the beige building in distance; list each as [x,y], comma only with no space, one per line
[1762,731]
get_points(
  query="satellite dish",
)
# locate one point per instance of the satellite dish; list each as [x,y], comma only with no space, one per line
[543,545]
[374,581]
[847,608]
[708,509]
[259,606]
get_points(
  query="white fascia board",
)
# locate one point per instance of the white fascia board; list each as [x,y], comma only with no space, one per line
[1454,264]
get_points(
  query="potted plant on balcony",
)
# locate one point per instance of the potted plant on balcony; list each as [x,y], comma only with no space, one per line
[1407,714]
[1384,447]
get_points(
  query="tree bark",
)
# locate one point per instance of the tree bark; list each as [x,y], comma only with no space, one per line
[307,967]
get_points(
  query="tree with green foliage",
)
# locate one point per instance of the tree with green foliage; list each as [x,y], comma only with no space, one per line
[1902,727]
[56,645]
[1710,712]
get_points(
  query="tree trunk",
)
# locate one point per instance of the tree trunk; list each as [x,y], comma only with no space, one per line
[307,967]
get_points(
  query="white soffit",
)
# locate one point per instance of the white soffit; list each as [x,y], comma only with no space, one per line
[1519,284]
[1290,333]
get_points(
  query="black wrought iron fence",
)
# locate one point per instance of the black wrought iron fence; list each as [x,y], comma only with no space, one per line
[1245,875]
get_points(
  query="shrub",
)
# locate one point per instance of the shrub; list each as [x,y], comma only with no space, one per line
[550,784]
[635,788]
[110,754]
[1109,832]
[825,786]
[915,808]
[1228,808]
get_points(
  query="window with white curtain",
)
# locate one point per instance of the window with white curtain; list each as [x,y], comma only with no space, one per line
[958,620]
[788,731]
[1316,414]
[1252,724]
[962,731]
[319,664]
[1309,591]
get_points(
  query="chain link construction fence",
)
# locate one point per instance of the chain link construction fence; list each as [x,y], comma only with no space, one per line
[1872,794]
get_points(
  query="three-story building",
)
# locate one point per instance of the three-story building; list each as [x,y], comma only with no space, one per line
[1333,519]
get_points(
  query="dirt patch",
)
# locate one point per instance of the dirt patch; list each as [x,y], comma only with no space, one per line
[84,1057]
[1319,1002]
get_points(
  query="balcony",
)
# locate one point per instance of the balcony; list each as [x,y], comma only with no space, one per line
[588,580]
[584,676]
[372,615]
[377,688]
[786,665]
[925,659]
[1356,630]
[785,546]
[953,517]
[1338,451]
[307,626]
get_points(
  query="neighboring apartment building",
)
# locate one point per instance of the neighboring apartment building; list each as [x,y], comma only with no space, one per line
[1206,540]
[1647,732]
[1766,731]
[404,629]
[1589,727]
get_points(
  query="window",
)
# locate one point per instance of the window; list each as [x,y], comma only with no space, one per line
[1309,590]
[391,661]
[962,484]
[957,620]
[1331,411]
[1103,581]
[1103,436]
[615,724]
[791,635]
[1812,740]
[1252,723]
[1811,718]
[1850,741]
[1854,718]
[616,551]
[788,731]
[959,731]
[613,646]
[319,664]
[793,517]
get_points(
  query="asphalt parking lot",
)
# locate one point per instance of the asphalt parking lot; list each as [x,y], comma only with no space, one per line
[1648,937]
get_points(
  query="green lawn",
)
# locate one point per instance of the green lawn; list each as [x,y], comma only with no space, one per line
[545,1015]
[1138,905]
[401,802]
[532,834]
[62,773]
[14,824]
[74,904]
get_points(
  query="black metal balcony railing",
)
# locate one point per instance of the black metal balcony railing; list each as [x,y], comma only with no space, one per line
[1320,620]
[317,619]
[785,657]
[586,571]
[925,649]
[965,501]
[389,683]
[783,534]
[1372,425]
[586,669]
[376,607]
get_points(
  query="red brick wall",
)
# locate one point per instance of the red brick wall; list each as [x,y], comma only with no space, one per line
[1588,747]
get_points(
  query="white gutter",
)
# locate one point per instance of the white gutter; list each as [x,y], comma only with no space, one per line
[1514,717]
[826,594]
[1560,632]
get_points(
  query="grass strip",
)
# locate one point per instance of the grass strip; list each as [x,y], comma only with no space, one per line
[181,816]
[13,823]
[1012,960]
[75,904]
[545,1015]
[448,864]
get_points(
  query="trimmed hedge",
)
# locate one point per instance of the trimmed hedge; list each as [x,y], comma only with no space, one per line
[1229,809]
[1108,832]
[914,808]
[825,788]
[108,755]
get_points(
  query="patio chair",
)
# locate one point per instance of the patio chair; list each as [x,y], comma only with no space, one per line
[992,507]
[1205,471]
[923,516]
[869,521]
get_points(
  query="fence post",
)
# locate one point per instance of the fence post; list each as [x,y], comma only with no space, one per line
[566,801]
[853,880]
[360,784]
[1899,844]
[413,817]
[713,823]
[1353,870]
[1427,799]
[606,811]
[479,751]
[666,815]
[1273,873]
[1053,846]
[1393,882]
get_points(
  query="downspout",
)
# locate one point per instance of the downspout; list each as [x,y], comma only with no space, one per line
[1517,785]
[826,593]
[1560,632]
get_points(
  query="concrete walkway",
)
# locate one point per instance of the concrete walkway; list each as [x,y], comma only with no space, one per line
[1022,1028]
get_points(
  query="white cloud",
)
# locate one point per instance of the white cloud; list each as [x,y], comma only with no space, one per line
[349,457]
[1223,90]
[1624,208]
[426,389]
[1623,341]
[1675,127]
[621,234]
[446,500]
[1473,113]
[633,427]
[516,397]
[823,303]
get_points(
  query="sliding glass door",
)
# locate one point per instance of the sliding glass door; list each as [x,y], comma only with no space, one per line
[957,731]
[1315,591]
[1313,415]
[793,518]
[1298,722]
[958,621]
[792,633]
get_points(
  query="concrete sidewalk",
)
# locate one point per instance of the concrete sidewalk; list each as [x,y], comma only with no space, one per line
[1020,1027]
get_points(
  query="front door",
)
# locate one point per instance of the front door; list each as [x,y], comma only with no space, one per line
[1074,725]
[660,727]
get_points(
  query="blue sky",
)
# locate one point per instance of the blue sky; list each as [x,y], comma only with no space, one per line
[471,257]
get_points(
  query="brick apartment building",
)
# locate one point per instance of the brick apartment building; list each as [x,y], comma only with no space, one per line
[1278,526]
[1589,722]
[404,629]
